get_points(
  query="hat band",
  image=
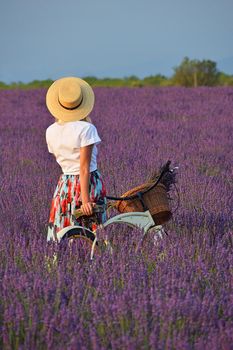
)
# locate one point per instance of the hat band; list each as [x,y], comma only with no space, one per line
[71,108]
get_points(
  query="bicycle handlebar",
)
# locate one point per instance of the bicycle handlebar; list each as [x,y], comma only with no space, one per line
[98,208]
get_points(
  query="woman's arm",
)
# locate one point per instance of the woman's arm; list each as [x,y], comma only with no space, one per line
[85,160]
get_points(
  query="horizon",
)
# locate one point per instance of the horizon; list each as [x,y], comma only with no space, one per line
[100,78]
[141,77]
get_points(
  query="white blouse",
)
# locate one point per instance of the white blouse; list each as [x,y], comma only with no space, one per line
[64,141]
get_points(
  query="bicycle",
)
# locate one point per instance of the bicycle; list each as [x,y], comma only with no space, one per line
[140,219]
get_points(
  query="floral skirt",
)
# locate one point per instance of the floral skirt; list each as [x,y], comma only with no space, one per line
[67,198]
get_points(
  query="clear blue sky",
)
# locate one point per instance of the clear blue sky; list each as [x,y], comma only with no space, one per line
[42,39]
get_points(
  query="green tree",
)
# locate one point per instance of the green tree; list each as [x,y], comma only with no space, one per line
[196,73]
[155,80]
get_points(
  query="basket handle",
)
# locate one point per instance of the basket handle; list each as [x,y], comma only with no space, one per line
[164,170]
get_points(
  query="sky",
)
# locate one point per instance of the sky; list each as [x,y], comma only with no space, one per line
[49,39]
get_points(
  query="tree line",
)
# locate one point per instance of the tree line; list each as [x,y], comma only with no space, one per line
[190,73]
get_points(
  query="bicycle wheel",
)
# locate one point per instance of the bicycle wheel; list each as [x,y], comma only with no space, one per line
[82,242]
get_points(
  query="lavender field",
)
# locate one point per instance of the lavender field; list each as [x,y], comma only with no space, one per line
[176,294]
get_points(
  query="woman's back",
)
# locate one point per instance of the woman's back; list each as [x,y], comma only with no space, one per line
[64,141]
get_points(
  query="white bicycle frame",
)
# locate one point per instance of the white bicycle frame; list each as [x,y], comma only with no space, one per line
[142,220]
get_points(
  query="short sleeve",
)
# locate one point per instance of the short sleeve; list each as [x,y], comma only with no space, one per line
[89,135]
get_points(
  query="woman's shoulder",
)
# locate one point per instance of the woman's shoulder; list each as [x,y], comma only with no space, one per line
[83,125]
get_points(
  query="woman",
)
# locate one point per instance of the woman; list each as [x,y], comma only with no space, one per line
[72,138]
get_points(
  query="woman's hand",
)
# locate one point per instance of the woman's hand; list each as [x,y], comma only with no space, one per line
[87,208]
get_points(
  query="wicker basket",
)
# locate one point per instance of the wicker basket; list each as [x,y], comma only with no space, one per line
[156,200]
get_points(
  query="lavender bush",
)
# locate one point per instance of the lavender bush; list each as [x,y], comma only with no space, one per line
[176,294]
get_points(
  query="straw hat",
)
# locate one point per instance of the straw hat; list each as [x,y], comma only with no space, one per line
[70,99]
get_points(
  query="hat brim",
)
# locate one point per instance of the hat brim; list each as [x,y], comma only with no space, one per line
[59,112]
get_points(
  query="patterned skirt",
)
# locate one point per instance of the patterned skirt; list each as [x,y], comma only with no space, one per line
[66,199]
